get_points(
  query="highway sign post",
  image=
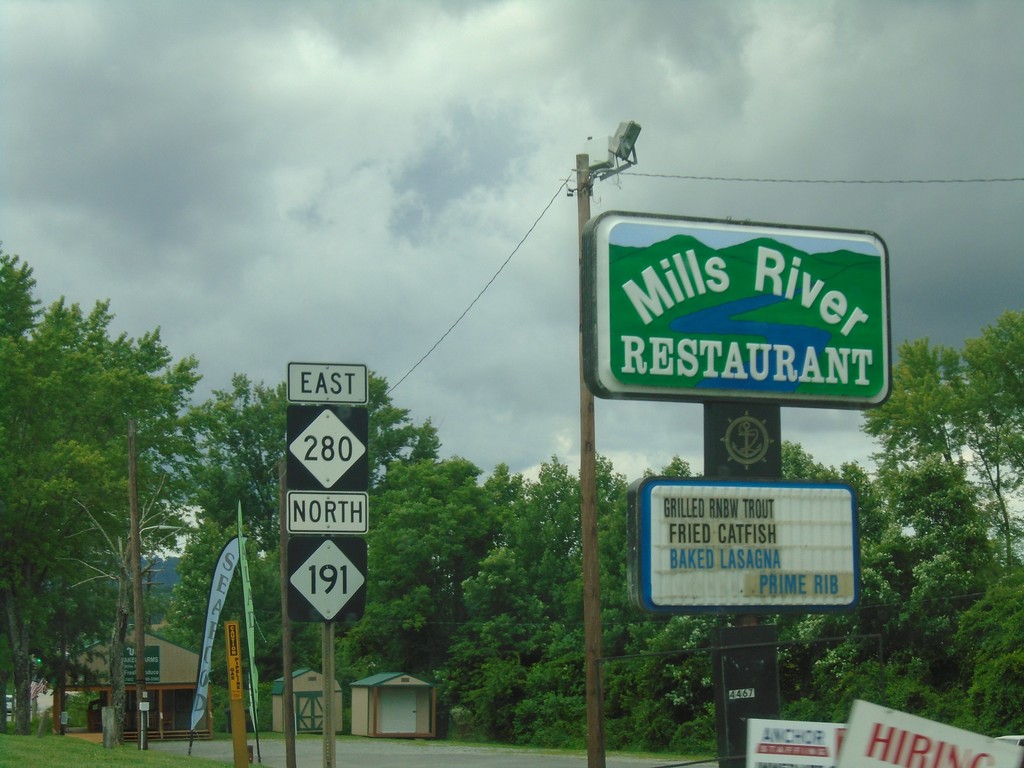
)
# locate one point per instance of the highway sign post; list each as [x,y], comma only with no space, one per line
[327,477]
[233,648]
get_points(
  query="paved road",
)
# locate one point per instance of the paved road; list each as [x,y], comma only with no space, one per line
[396,753]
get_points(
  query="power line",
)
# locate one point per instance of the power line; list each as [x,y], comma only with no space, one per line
[750,180]
[686,177]
[486,286]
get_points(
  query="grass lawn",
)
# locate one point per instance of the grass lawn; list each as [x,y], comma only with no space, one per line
[49,751]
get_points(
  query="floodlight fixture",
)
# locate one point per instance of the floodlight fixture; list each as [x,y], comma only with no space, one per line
[621,152]
[623,143]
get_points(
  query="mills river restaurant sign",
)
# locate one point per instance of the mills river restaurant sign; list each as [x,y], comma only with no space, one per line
[678,308]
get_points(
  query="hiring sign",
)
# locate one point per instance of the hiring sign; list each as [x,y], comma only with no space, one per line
[877,737]
[679,308]
[698,545]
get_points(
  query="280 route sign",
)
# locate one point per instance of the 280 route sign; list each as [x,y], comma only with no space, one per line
[327,448]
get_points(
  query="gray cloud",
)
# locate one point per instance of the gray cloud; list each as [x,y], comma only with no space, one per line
[318,181]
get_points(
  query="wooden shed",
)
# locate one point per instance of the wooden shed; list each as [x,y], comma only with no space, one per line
[395,705]
[170,685]
[308,690]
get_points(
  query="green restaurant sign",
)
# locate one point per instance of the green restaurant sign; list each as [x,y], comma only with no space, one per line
[678,308]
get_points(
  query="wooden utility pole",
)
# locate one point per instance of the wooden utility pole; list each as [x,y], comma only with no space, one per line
[141,702]
[588,512]
[236,694]
[328,700]
[288,704]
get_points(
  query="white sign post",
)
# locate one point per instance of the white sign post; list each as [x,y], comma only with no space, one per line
[327,479]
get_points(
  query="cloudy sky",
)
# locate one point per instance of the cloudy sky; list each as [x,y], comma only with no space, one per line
[338,181]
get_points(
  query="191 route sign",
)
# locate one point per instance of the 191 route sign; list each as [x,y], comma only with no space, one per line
[327,448]
[326,578]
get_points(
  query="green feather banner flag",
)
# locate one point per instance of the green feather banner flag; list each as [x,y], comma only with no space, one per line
[250,620]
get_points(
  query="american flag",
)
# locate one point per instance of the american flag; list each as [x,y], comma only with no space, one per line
[38,686]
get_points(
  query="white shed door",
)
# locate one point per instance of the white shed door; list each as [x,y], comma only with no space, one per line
[398,710]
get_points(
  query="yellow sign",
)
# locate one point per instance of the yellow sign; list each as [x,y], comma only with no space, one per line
[234,660]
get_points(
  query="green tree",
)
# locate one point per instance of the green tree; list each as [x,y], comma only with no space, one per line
[67,390]
[515,671]
[431,527]
[964,407]
[991,419]
[241,433]
[919,418]
[544,532]
[988,641]
[942,559]
[485,675]
[394,437]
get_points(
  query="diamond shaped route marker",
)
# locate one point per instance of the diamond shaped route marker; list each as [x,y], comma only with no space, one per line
[327,448]
[327,579]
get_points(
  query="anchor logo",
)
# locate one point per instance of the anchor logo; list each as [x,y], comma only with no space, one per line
[747,440]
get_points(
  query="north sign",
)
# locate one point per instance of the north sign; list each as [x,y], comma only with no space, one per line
[327,448]
[678,308]
[326,578]
[717,546]
[337,383]
[327,512]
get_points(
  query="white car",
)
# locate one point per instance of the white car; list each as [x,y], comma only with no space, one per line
[1018,740]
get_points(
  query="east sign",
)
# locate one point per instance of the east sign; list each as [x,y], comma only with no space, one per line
[715,546]
[678,308]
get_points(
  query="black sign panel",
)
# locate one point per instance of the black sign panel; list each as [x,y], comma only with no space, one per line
[742,440]
[746,679]
[328,448]
[326,578]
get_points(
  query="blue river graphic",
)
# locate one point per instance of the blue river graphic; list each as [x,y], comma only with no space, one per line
[722,319]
